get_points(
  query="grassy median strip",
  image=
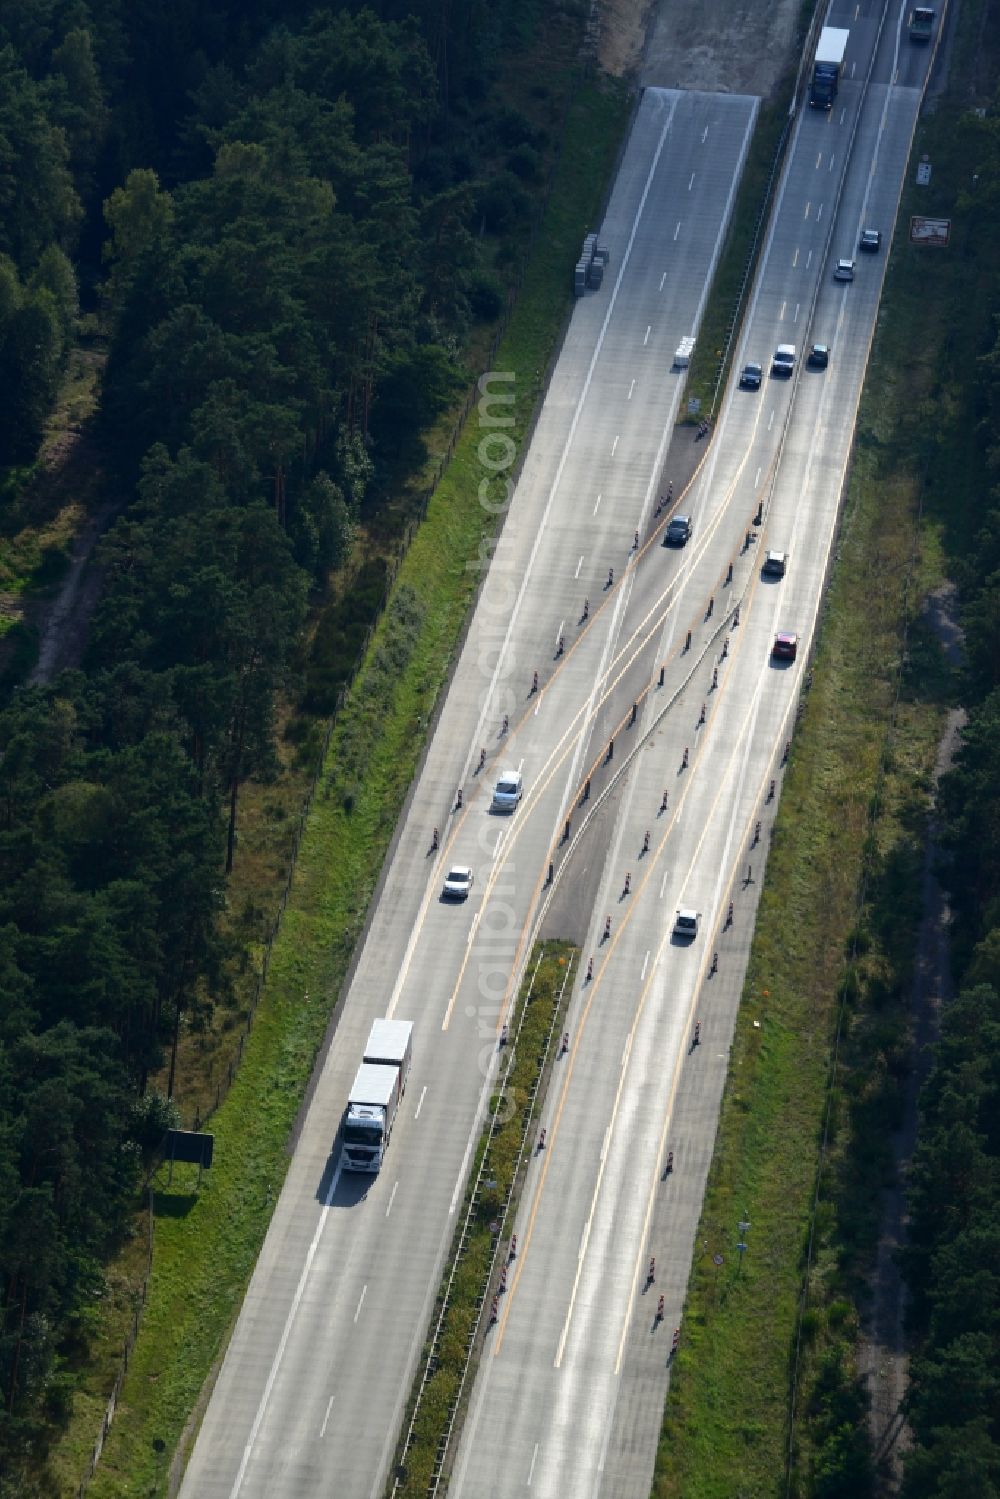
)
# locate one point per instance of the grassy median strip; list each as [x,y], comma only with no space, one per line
[744,242]
[826,969]
[462,1316]
[206,1241]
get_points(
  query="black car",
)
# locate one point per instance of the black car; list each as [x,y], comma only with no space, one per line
[751,377]
[870,241]
[819,356]
[678,531]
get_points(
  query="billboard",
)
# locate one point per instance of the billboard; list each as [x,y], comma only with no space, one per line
[933,232]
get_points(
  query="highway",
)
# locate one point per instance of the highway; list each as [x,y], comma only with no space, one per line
[313,1384]
[570,1391]
[568,1399]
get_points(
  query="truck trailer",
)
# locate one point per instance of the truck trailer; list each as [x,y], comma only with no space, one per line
[827,67]
[376,1093]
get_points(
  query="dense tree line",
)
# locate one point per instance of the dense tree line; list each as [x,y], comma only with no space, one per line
[953,1259]
[284,215]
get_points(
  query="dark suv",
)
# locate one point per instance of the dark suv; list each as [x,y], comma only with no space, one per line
[678,531]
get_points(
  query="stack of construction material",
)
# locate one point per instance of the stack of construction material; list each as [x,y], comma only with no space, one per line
[590,267]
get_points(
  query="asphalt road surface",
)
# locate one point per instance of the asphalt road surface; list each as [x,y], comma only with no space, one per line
[311,1392]
[569,1395]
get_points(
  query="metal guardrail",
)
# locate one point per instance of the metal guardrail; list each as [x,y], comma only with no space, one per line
[500,1238]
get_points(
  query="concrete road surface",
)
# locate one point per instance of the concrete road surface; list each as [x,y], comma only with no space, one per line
[310,1396]
[569,1396]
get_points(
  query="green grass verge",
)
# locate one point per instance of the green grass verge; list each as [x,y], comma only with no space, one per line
[852,815]
[731,277]
[206,1242]
[534,1023]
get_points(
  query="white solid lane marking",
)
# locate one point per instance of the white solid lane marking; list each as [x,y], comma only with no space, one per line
[285,1332]
[631,389]
[361,1299]
[662,279]
[607,1439]
[649,329]
[578,566]
[420,1104]
[645,965]
[528,578]
[532,1468]
[614,445]
[598,502]
[392,1198]
[329,1408]
[588,1225]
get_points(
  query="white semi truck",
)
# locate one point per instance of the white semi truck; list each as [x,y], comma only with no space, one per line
[375,1097]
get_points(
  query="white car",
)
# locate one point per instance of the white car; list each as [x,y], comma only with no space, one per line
[508,791]
[783,362]
[844,271]
[686,923]
[458,882]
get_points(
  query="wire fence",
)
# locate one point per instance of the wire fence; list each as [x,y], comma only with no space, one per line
[259,981]
[130,1340]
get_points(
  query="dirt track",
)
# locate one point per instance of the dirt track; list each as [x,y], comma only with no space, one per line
[716,45]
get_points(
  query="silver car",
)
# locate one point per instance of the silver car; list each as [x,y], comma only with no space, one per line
[686,923]
[508,791]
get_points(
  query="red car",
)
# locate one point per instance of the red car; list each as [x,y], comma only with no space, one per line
[785,646]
